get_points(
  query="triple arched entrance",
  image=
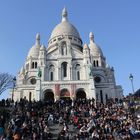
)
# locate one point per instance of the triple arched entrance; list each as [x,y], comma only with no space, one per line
[64,94]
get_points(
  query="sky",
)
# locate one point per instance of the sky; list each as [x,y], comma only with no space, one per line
[115,24]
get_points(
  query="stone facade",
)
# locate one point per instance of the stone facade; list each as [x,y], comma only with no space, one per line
[68,69]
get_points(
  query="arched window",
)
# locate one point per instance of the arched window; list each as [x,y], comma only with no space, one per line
[32,65]
[51,72]
[77,71]
[35,65]
[97,63]
[94,63]
[64,69]
[78,75]
[51,76]
[62,50]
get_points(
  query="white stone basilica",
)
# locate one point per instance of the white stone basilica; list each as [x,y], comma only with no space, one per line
[68,69]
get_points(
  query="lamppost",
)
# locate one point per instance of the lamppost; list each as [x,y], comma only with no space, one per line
[39,74]
[131,79]
[14,84]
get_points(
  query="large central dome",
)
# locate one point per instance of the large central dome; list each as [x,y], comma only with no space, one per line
[64,28]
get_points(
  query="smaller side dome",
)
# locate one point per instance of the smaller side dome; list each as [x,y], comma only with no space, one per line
[94,48]
[34,51]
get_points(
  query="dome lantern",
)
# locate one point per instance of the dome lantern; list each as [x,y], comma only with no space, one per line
[91,37]
[64,15]
[37,39]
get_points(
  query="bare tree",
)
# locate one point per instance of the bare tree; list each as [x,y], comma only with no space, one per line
[6,82]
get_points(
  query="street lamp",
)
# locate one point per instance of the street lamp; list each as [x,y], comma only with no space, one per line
[131,79]
[39,74]
[14,84]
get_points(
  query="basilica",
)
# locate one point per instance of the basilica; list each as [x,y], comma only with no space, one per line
[66,69]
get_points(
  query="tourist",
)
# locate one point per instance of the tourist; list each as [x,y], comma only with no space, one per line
[33,121]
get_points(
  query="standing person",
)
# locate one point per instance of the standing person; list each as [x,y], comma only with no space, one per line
[65,127]
[1,133]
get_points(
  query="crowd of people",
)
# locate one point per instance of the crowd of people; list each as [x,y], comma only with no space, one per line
[115,120]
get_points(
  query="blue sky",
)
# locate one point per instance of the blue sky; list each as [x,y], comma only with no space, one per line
[115,24]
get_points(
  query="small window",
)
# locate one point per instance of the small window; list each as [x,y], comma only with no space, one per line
[59,38]
[78,75]
[97,63]
[65,69]
[62,49]
[94,63]
[33,65]
[51,76]
[54,40]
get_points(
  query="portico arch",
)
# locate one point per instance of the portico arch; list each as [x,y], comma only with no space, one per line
[64,94]
[80,94]
[48,95]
